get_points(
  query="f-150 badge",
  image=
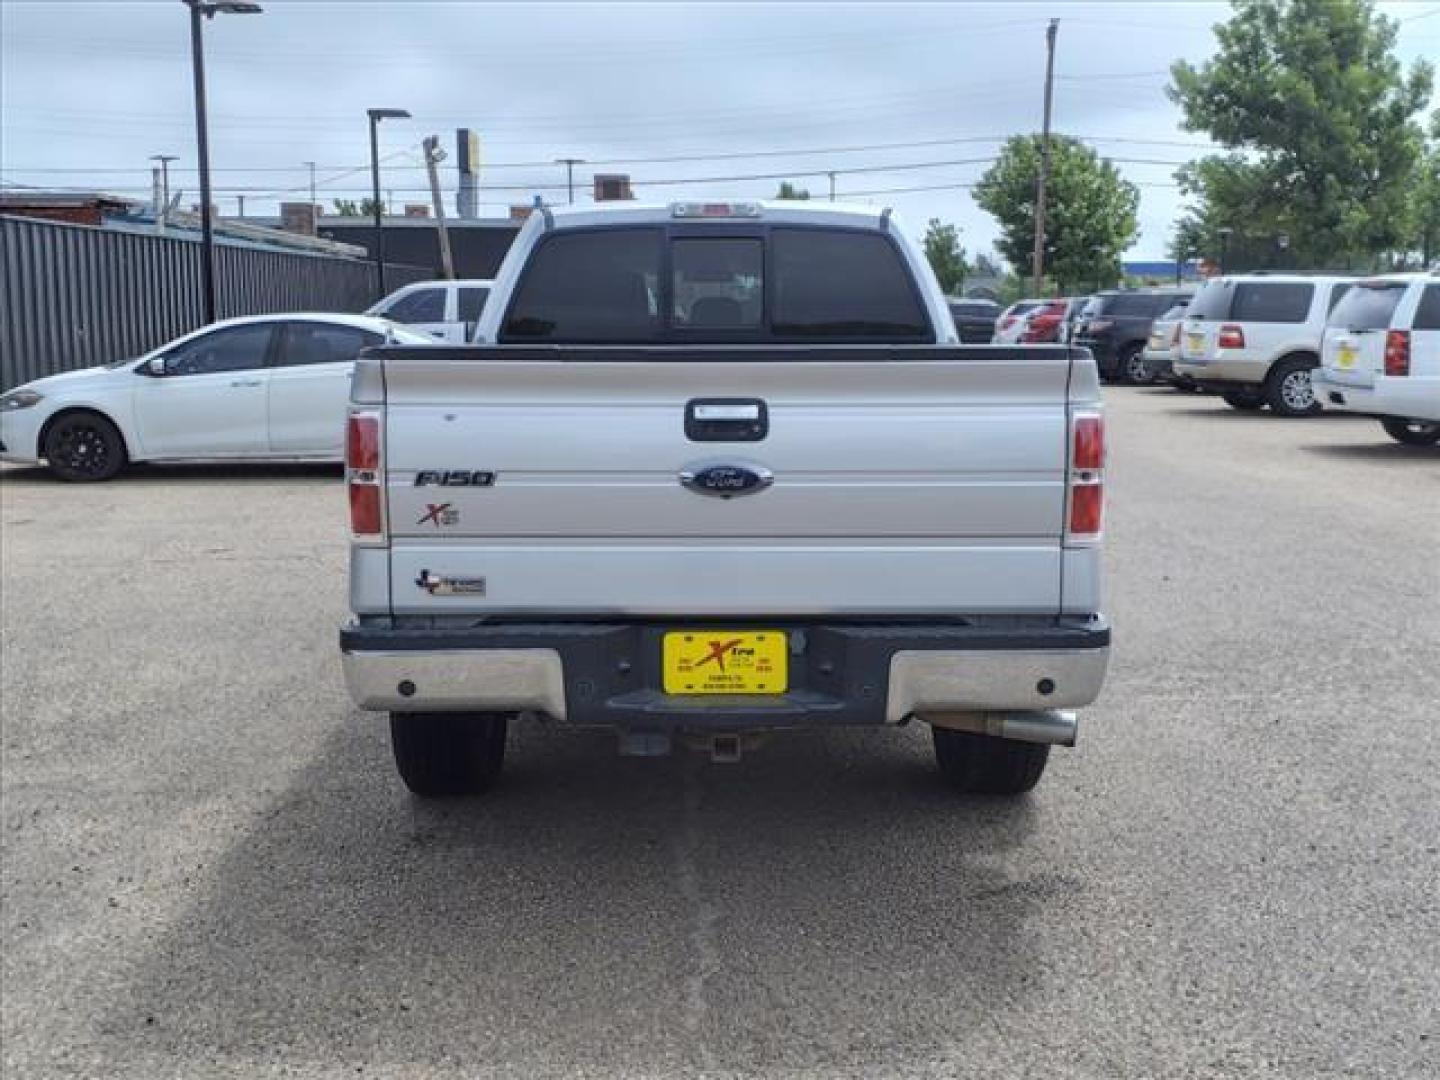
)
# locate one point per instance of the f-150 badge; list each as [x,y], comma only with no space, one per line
[725,480]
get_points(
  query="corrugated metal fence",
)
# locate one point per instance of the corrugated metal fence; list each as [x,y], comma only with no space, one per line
[72,296]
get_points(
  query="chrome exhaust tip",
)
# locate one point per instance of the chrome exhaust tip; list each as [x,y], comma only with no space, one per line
[1056,727]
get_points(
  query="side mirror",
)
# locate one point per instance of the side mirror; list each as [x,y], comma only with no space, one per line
[155,365]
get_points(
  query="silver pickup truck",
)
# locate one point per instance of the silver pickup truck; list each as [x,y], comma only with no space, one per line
[712,470]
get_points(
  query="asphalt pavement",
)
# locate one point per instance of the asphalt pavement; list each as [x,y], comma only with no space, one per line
[211,870]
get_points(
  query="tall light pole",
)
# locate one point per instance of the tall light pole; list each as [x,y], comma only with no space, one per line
[1038,257]
[207,9]
[164,160]
[570,163]
[311,166]
[376,115]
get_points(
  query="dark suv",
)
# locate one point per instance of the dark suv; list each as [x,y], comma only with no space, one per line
[1116,324]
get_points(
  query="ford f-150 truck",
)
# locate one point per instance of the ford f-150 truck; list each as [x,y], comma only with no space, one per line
[715,469]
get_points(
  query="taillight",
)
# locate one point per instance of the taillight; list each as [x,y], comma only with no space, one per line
[1397,352]
[1231,337]
[1086,481]
[363,461]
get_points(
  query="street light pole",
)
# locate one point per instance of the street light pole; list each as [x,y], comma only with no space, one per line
[376,115]
[199,9]
[164,160]
[1224,232]
[570,163]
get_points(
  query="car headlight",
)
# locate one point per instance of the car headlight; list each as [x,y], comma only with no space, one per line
[20,399]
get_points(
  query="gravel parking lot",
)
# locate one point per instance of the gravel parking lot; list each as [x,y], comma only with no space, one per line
[210,869]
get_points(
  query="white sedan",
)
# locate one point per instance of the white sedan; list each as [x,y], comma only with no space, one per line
[267,387]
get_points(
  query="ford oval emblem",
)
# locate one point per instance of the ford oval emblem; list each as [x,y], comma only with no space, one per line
[725,480]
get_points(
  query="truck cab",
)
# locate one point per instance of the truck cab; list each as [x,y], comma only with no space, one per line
[716,469]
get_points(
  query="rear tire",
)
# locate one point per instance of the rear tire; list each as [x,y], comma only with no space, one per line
[1288,390]
[1413,432]
[983,764]
[1246,399]
[83,446]
[447,754]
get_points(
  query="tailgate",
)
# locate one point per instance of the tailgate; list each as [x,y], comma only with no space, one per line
[1354,356]
[899,485]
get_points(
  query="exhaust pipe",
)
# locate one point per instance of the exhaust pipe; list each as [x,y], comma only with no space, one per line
[1057,727]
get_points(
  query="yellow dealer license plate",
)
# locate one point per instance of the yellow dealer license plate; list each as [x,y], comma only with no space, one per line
[1195,343]
[1346,356]
[724,662]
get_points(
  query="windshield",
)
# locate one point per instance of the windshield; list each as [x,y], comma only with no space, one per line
[1368,306]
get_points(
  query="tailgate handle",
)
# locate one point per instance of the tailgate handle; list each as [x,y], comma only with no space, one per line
[726,420]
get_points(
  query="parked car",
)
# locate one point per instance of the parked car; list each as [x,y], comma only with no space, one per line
[1254,338]
[263,387]
[1116,324]
[446,310]
[1044,324]
[975,320]
[1012,321]
[1162,347]
[729,546]
[1381,356]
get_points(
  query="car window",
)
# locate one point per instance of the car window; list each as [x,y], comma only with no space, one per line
[1212,302]
[833,283]
[1368,306]
[324,343]
[237,348]
[1272,302]
[589,287]
[972,311]
[1336,293]
[717,283]
[1134,305]
[1173,313]
[1427,315]
[420,306]
[472,303]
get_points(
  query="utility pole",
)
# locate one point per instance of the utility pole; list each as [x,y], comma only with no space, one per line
[433,156]
[1038,261]
[241,200]
[164,160]
[157,196]
[311,166]
[570,163]
[832,185]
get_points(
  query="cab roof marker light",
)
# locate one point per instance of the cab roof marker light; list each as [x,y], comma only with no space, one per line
[715,210]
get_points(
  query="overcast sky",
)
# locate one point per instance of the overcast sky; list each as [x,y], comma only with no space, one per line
[91,90]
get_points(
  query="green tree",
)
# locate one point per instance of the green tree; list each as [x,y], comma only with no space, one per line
[1425,200]
[364,208]
[790,191]
[1311,94]
[1090,210]
[947,257]
[985,266]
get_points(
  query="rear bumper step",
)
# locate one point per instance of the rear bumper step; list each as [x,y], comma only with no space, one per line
[1016,679]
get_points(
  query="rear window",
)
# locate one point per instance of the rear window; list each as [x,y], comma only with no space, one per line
[717,283]
[1427,315]
[1211,303]
[842,284]
[607,285]
[420,306]
[1173,313]
[1272,302]
[1368,306]
[589,287]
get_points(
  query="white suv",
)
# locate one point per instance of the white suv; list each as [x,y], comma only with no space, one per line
[1254,338]
[1382,356]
